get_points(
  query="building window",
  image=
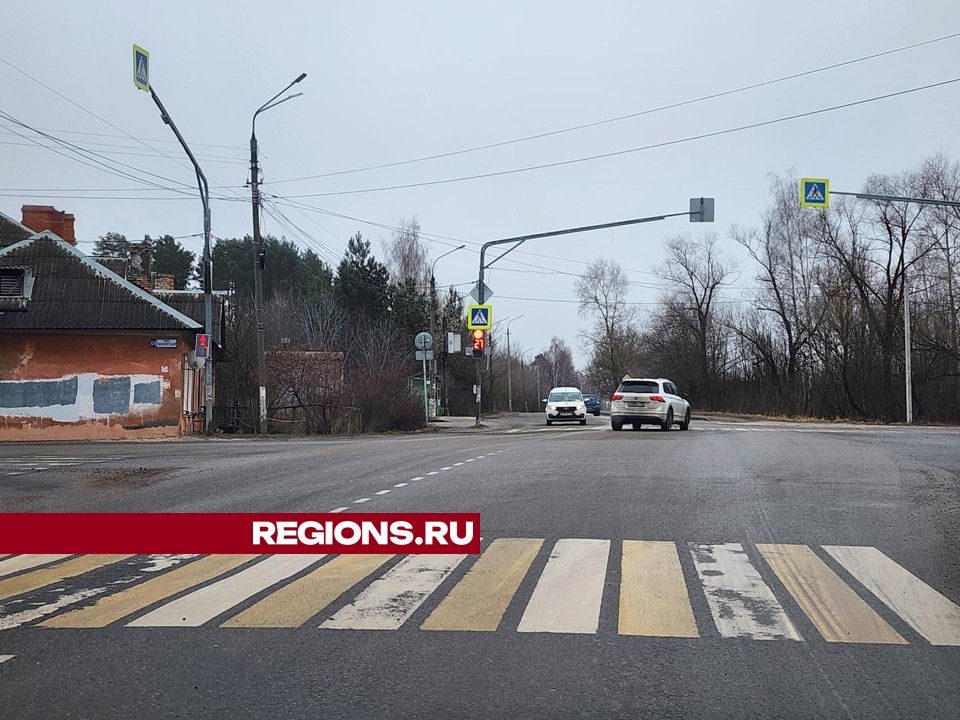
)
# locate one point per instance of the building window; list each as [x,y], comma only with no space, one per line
[12,282]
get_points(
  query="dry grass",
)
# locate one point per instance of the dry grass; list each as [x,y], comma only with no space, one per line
[809,419]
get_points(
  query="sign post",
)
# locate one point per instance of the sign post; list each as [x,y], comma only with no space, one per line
[424,344]
[141,78]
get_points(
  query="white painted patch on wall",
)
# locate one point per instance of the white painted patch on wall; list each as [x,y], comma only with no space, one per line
[83,407]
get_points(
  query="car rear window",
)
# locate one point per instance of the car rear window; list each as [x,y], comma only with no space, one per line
[565,397]
[589,397]
[638,386]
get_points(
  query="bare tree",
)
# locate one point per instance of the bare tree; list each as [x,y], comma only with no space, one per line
[778,329]
[407,255]
[697,272]
[558,369]
[602,290]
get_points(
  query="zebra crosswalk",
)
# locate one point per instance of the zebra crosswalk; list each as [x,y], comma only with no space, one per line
[41,463]
[799,593]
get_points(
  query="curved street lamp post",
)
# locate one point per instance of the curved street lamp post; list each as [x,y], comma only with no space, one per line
[258,255]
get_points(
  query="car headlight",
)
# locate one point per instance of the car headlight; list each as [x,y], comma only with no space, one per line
[581,408]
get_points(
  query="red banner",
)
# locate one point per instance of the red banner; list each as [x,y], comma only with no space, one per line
[240,533]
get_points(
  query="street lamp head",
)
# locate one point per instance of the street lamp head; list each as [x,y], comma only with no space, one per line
[302,76]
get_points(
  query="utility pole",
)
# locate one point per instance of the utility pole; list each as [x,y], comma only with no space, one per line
[433,325]
[509,363]
[509,381]
[259,260]
[907,349]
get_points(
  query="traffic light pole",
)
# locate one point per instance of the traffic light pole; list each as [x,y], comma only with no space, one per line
[207,265]
[518,241]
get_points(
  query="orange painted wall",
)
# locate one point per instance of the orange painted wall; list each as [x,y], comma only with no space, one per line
[94,358]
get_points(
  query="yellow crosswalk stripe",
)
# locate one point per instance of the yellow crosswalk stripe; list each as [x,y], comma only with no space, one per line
[838,613]
[61,571]
[294,604]
[653,595]
[126,602]
[480,599]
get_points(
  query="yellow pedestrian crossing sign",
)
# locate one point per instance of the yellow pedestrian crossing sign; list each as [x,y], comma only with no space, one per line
[141,68]
[815,192]
[479,317]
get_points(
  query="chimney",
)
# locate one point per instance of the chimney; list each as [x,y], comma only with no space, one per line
[46,217]
[140,265]
[163,281]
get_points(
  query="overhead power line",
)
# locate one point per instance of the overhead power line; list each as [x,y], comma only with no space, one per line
[652,146]
[649,111]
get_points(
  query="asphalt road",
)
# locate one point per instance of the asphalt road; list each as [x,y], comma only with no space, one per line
[737,570]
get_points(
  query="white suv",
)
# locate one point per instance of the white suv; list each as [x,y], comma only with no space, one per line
[566,403]
[648,401]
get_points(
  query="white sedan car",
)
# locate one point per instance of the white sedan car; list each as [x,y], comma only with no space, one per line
[648,401]
[565,403]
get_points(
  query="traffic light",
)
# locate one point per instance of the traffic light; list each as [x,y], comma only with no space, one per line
[203,346]
[479,342]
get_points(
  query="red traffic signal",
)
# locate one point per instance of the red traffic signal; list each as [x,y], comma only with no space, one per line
[479,342]
[203,346]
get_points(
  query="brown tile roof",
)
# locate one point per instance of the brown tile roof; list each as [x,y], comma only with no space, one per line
[73,292]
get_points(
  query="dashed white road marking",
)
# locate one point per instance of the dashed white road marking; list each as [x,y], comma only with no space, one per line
[361,500]
[433,472]
[399,485]
[339,509]
[4,658]
[417,478]
[469,459]
[448,467]
[457,464]
[381,492]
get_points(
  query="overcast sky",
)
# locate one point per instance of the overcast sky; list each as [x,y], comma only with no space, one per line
[391,82]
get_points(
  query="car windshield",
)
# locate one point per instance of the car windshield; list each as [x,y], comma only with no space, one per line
[565,397]
[639,386]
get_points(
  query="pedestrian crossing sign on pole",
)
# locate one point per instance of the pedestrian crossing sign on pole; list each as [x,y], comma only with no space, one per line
[815,192]
[479,317]
[141,68]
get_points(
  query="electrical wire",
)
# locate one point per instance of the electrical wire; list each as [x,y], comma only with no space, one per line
[616,153]
[640,113]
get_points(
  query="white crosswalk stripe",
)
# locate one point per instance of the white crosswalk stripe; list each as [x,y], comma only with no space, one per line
[567,597]
[205,604]
[19,563]
[461,593]
[741,603]
[388,602]
[927,611]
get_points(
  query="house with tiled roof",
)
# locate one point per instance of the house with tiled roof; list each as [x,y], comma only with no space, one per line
[84,352]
